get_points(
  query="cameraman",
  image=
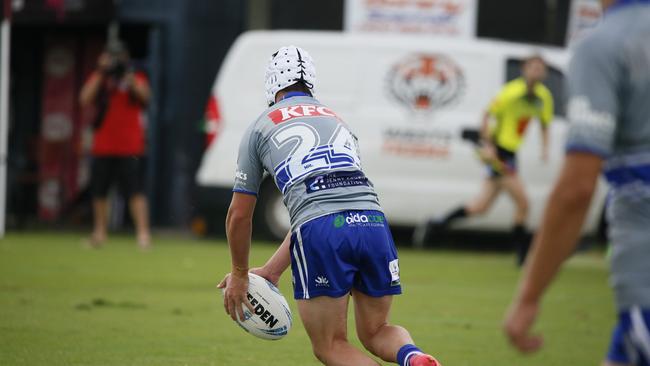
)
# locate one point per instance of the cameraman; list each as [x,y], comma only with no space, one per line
[120,95]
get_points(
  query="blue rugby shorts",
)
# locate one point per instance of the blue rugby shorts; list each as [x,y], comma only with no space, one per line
[332,254]
[630,343]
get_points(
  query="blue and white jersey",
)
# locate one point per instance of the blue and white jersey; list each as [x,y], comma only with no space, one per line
[609,112]
[311,154]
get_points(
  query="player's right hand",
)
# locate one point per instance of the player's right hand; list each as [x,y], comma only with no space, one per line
[487,153]
[234,295]
[518,325]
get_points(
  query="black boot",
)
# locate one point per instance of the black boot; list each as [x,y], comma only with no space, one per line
[521,241]
[433,230]
[428,232]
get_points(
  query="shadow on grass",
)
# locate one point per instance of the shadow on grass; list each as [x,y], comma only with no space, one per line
[98,303]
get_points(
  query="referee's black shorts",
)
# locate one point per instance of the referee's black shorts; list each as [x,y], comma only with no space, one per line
[126,171]
[507,163]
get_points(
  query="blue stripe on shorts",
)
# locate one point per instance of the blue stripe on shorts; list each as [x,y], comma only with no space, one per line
[630,343]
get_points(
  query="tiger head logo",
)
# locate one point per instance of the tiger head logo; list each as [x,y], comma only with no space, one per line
[426,82]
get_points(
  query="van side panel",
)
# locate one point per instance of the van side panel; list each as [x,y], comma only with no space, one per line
[408,99]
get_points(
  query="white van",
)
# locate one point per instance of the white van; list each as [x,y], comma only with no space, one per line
[408,99]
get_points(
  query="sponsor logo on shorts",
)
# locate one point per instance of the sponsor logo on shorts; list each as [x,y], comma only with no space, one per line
[322,281]
[393,267]
[339,221]
[358,219]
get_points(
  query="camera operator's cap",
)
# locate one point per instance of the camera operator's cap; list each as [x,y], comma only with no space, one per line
[286,67]
[116,47]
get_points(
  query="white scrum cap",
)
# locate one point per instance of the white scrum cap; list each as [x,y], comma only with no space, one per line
[288,66]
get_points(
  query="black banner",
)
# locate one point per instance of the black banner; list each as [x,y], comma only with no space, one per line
[45,12]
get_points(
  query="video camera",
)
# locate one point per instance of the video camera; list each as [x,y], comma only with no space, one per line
[117,69]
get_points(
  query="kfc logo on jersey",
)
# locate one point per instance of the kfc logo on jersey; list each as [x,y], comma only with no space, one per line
[426,82]
[284,114]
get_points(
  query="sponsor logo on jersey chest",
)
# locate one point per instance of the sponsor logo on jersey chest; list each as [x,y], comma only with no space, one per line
[284,114]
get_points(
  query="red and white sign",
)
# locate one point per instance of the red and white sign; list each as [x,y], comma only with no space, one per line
[212,121]
[62,171]
[584,16]
[284,114]
[451,18]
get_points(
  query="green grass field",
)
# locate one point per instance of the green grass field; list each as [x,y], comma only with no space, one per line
[61,304]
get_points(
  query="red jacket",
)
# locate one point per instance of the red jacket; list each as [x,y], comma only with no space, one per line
[121,132]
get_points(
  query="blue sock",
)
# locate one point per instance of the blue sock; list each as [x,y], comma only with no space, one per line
[406,350]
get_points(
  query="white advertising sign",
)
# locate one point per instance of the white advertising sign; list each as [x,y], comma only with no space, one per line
[452,18]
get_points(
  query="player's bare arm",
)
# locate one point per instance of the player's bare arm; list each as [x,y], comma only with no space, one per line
[239,225]
[277,264]
[487,152]
[554,242]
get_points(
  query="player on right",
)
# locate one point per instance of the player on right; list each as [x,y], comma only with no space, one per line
[609,111]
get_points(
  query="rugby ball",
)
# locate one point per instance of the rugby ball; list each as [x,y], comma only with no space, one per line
[271,318]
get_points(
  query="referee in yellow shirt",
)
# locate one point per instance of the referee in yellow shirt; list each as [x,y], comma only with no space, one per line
[502,131]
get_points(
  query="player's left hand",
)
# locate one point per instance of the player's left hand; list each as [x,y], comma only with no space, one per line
[517,327]
[235,289]
[224,282]
[268,275]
